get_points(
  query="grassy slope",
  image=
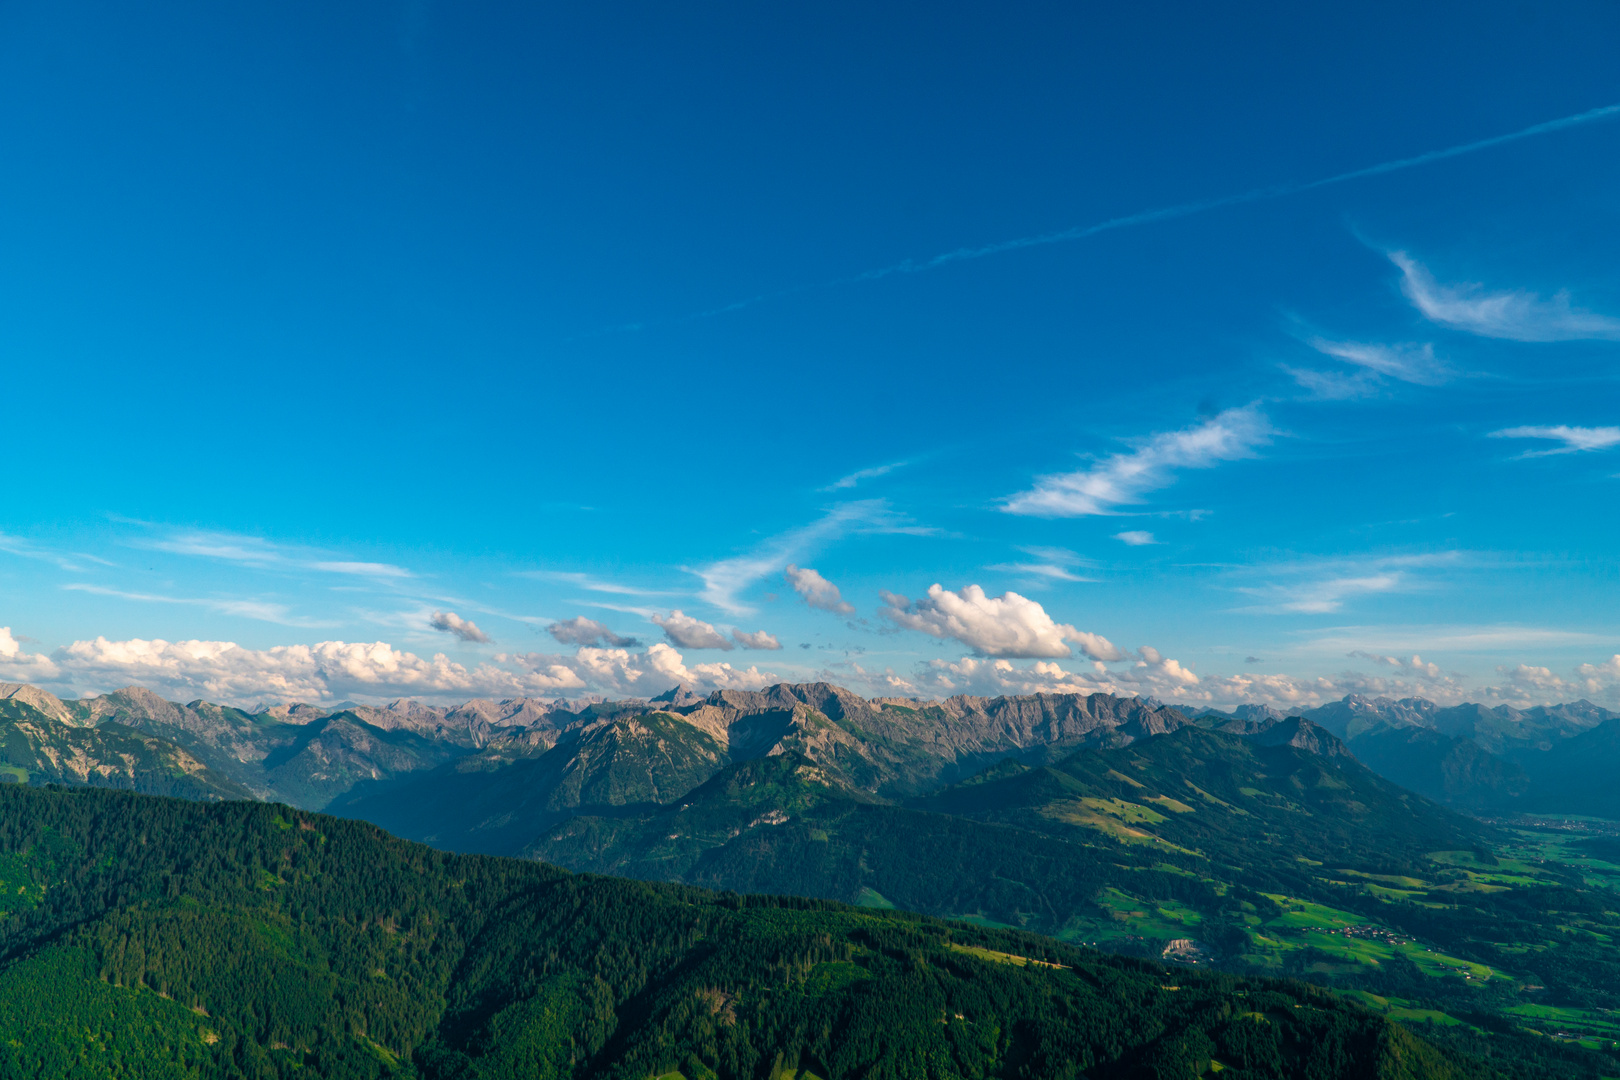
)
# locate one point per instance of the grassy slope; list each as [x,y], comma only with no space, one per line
[1280,860]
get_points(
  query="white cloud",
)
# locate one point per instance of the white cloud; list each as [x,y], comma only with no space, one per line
[1058,565]
[1408,362]
[1332,386]
[225,672]
[582,631]
[589,583]
[19,666]
[327,671]
[16,545]
[1135,537]
[817,591]
[258,552]
[1317,587]
[1575,439]
[262,610]
[724,580]
[1123,479]
[451,623]
[1514,315]
[1416,664]
[759,639]
[1320,597]
[618,671]
[1005,626]
[1152,675]
[856,477]
[690,633]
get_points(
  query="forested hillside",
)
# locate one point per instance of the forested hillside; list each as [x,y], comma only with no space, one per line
[159,938]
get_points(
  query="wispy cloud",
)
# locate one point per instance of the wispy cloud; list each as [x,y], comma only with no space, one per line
[261,610]
[1057,564]
[1575,439]
[1316,587]
[1149,217]
[255,551]
[1123,479]
[1334,385]
[854,478]
[725,579]
[24,549]
[592,584]
[1135,537]
[1513,315]
[1407,361]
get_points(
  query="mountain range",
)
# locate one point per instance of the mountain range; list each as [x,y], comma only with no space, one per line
[1249,841]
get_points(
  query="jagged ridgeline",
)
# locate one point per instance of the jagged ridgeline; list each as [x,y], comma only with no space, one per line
[154,937]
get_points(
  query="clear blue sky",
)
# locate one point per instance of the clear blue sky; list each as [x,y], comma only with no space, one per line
[324,326]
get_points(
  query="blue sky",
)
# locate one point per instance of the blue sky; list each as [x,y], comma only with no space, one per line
[336,340]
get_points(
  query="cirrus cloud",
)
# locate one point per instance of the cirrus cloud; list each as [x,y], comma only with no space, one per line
[1575,439]
[1513,315]
[1123,479]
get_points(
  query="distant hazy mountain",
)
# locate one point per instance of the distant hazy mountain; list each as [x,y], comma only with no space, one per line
[1580,775]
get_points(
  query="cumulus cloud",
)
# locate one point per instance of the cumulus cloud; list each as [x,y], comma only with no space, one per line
[1599,682]
[224,671]
[1008,625]
[690,633]
[1415,664]
[328,671]
[1575,439]
[1151,675]
[757,640]
[1135,537]
[817,591]
[451,623]
[19,666]
[1409,361]
[582,631]
[621,672]
[1513,315]
[1123,479]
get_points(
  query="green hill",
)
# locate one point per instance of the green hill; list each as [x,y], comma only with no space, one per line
[159,938]
[1277,853]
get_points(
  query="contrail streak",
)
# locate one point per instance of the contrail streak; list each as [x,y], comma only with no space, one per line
[1165,213]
